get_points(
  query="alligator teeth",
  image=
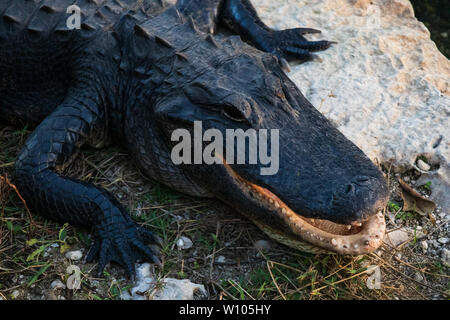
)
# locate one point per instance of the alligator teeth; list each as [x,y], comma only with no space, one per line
[276,205]
[334,242]
[348,227]
[283,210]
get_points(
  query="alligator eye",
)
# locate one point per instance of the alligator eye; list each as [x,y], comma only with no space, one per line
[233,114]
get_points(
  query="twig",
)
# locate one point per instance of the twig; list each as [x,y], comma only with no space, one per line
[214,251]
[6,180]
[274,281]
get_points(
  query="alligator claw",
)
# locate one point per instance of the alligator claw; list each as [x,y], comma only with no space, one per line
[149,237]
[124,245]
[302,31]
[291,45]
[284,64]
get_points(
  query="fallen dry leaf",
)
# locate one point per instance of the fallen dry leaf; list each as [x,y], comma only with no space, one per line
[413,201]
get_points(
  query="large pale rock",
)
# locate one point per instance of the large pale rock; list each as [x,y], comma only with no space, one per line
[146,287]
[385,85]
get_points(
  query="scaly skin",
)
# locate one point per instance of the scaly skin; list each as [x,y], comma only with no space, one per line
[137,70]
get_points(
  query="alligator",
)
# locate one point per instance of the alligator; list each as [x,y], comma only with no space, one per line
[133,71]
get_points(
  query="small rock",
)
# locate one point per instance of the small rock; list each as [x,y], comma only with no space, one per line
[443,240]
[424,245]
[57,284]
[435,243]
[422,165]
[418,234]
[49,249]
[146,287]
[74,255]
[184,243]
[418,277]
[374,280]
[406,179]
[397,237]
[15,294]
[262,245]
[220,259]
[176,289]
[446,257]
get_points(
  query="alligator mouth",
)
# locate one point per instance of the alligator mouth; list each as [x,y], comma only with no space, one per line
[315,235]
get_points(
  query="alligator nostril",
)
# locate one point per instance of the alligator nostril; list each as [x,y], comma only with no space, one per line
[350,188]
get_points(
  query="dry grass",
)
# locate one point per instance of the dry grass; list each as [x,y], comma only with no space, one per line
[32,251]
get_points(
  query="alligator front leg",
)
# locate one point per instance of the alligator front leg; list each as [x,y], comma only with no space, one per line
[241,16]
[55,141]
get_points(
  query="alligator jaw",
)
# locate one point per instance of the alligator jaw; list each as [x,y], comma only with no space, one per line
[316,235]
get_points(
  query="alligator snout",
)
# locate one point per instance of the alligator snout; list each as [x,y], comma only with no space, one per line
[360,197]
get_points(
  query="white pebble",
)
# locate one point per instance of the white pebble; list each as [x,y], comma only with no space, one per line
[443,240]
[418,277]
[57,284]
[422,165]
[424,246]
[220,259]
[446,257]
[262,245]
[74,255]
[184,243]
[397,237]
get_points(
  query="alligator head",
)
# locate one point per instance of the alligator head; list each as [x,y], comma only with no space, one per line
[326,194]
